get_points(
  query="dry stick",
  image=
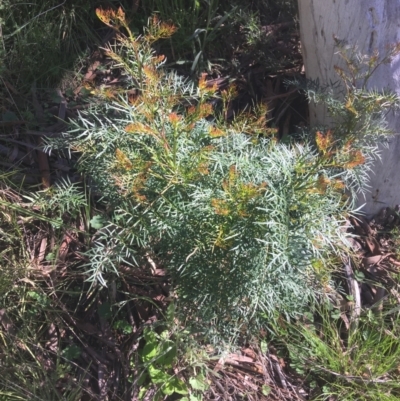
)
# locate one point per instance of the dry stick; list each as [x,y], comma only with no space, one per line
[219,385]
[115,377]
[40,133]
[62,111]
[7,323]
[11,123]
[286,125]
[278,370]
[71,321]
[13,101]
[355,292]
[135,5]
[288,101]
[5,151]
[270,100]
[284,380]
[102,381]
[27,145]
[1,39]
[42,157]
[281,95]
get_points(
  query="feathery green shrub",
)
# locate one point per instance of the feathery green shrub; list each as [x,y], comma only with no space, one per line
[242,223]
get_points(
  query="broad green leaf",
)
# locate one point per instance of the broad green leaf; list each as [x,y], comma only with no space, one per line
[192,397]
[85,92]
[264,346]
[266,389]
[175,385]
[71,352]
[360,276]
[195,61]
[150,336]
[142,393]
[170,314]
[149,351]
[167,353]
[123,325]
[198,383]
[158,376]
[142,378]
[97,222]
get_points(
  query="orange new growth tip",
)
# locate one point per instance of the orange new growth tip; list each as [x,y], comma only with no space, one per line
[216,132]
[139,128]
[123,160]
[174,119]
[204,87]
[111,18]
[324,142]
[159,30]
[356,158]
[220,206]
[232,173]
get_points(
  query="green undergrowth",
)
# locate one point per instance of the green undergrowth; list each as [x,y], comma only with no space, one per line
[42,40]
[360,364]
[44,357]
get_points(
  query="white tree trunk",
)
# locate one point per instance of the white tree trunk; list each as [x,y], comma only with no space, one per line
[371,25]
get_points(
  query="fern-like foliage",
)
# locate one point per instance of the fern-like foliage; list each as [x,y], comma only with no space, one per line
[63,197]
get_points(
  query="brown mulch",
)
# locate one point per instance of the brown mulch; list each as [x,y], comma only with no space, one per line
[377,252]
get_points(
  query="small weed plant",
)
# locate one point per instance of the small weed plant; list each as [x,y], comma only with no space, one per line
[362,365]
[161,361]
[242,223]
